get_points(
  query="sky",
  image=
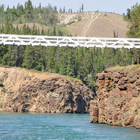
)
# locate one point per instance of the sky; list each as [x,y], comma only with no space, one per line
[116,6]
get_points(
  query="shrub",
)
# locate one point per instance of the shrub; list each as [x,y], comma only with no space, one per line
[1,83]
[71,22]
[79,18]
[0,105]
[3,90]
[1,80]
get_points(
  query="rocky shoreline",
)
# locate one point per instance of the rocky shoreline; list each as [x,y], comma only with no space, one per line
[118,97]
[22,90]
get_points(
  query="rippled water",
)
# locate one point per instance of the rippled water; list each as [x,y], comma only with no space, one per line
[15,126]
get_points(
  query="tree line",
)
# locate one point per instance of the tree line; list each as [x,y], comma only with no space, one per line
[27,13]
[133,18]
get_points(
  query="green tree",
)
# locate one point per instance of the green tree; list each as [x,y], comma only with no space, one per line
[71,64]
[64,10]
[54,31]
[2,14]
[50,59]
[34,30]
[3,51]
[28,10]
[11,57]
[63,65]
[82,8]
[128,14]
[28,57]
[134,28]
[9,29]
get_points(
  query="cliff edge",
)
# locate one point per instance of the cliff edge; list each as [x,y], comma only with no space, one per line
[22,90]
[118,97]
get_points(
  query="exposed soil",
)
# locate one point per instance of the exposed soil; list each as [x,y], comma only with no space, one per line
[99,25]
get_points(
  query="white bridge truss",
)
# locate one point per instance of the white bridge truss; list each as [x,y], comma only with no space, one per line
[63,41]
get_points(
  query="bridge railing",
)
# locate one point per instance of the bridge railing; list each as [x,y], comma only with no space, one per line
[66,41]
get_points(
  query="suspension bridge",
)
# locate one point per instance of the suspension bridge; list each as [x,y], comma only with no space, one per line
[66,41]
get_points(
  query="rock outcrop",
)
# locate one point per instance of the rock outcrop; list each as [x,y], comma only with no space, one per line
[27,91]
[118,97]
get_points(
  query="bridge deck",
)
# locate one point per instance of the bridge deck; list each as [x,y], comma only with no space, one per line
[66,41]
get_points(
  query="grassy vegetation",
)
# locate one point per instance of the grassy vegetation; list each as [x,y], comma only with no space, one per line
[116,68]
[117,98]
[1,105]
[125,68]
[132,110]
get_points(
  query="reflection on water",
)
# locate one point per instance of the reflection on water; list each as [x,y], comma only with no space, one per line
[16,126]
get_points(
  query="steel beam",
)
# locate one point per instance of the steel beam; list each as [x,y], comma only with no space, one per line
[65,41]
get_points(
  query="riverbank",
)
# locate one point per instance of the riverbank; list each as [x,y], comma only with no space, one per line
[118,101]
[23,90]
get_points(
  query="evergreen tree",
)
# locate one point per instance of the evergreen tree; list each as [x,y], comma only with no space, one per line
[34,30]
[82,8]
[128,14]
[11,57]
[135,22]
[21,50]
[60,10]
[50,59]
[9,29]
[54,31]
[82,70]
[71,64]
[28,10]
[3,51]
[63,65]
[28,57]
[64,10]
[17,31]
[2,12]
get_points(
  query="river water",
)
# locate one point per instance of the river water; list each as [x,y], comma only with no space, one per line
[16,126]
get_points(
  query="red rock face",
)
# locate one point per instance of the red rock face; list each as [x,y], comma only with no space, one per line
[25,91]
[118,101]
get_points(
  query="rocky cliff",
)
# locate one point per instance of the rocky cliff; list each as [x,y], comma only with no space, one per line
[118,97]
[27,91]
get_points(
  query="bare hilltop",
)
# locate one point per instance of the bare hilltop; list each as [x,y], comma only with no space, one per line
[94,24]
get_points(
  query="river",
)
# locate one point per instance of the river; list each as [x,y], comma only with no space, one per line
[22,126]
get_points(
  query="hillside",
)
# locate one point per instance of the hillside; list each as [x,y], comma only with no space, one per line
[22,90]
[118,101]
[95,24]
[88,24]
